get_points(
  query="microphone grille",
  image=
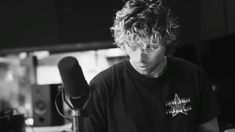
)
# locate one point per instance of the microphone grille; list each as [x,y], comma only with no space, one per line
[72,76]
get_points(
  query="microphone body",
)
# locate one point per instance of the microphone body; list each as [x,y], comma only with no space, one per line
[75,87]
[74,82]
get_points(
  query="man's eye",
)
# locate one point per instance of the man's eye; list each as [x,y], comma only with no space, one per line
[155,47]
[148,47]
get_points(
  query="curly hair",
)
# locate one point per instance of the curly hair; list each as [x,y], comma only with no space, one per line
[144,23]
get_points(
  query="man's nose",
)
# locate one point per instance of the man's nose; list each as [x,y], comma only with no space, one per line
[141,55]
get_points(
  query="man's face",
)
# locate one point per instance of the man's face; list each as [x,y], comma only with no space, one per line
[145,61]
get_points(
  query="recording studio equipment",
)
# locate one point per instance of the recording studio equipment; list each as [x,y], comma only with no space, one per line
[10,122]
[44,110]
[75,87]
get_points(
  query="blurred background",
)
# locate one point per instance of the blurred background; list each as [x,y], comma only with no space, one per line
[36,34]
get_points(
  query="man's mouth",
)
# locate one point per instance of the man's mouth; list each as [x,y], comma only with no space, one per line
[143,65]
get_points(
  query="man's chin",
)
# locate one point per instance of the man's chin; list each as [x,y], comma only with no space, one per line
[143,71]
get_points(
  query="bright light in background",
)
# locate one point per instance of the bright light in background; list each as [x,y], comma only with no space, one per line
[41,54]
[22,55]
[92,62]
[48,75]
[29,122]
[112,52]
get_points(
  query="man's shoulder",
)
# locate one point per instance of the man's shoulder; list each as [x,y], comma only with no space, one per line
[111,72]
[185,67]
[183,64]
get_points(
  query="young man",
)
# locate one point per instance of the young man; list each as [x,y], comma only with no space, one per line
[150,91]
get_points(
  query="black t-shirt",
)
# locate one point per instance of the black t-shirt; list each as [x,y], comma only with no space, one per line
[126,101]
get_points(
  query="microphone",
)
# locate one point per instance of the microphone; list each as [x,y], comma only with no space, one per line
[74,82]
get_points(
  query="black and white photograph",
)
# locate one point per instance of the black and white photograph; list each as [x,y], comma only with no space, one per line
[117,66]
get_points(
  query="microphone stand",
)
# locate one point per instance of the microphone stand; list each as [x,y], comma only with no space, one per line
[77,121]
[76,113]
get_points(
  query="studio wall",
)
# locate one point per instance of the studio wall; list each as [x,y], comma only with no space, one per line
[31,23]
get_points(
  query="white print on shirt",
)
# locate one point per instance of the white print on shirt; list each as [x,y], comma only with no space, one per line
[178,106]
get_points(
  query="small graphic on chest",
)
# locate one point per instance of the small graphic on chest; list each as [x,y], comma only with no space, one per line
[178,105]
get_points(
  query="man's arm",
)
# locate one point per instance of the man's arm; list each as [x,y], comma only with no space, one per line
[210,126]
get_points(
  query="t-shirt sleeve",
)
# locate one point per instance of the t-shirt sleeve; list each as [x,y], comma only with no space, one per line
[96,119]
[208,107]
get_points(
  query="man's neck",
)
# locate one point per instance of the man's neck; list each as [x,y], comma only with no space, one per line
[159,70]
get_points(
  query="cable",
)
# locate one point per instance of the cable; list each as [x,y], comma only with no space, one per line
[62,115]
[67,102]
